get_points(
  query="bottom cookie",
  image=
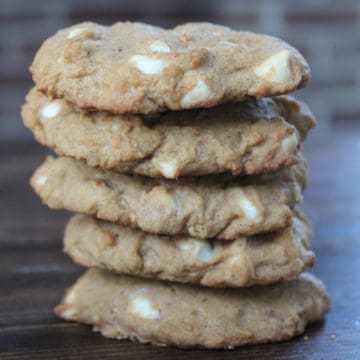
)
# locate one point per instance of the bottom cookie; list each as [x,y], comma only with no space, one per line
[187,316]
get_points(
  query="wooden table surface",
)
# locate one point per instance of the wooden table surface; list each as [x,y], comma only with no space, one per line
[35,272]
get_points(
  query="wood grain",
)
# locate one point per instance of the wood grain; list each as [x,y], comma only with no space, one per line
[34,272]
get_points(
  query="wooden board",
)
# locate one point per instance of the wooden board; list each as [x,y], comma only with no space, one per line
[34,272]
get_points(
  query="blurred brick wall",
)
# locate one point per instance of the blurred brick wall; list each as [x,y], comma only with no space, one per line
[326,32]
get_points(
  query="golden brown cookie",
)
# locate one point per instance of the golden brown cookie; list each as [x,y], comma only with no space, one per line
[138,68]
[187,316]
[250,137]
[224,207]
[246,261]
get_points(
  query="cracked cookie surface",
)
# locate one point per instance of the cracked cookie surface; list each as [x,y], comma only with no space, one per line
[246,261]
[222,206]
[249,137]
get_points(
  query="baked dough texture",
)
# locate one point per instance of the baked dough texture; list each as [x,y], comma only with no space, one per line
[187,316]
[250,137]
[246,261]
[138,68]
[223,207]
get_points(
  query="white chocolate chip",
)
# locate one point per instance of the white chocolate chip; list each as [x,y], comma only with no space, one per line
[248,208]
[115,127]
[75,32]
[201,249]
[142,307]
[50,110]
[148,65]
[185,244]
[95,318]
[169,169]
[196,95]
[290,143]
[106,148]
[70,297]
[160,46]
[276,68]
[69,313]
[41,180]
[205,253]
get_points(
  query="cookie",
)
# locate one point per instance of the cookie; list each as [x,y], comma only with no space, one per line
[246,261]
[220,206]
[138,68]
[161,313]
[250,137]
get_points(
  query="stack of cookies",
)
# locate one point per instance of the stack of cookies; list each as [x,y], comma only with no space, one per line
[185,167]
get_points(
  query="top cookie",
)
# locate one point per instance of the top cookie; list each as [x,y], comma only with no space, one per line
[138,68]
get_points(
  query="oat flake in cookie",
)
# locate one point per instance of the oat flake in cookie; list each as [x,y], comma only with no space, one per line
[138,68]
[249,137]
[187,316]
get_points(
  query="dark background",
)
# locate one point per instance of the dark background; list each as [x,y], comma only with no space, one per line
[33,270]
[326,32]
